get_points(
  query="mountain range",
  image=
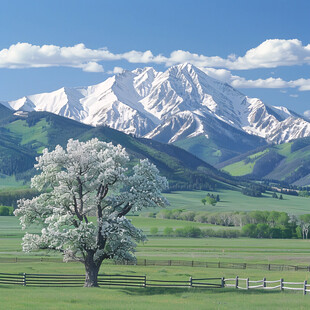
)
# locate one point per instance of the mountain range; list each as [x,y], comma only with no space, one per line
[181,106]
[23,136]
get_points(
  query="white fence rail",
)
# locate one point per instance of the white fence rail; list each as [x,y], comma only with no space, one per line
[246,284]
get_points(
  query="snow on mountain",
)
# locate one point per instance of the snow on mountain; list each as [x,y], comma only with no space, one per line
[168,106]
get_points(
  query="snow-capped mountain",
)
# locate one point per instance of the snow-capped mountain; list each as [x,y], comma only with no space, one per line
[181,103]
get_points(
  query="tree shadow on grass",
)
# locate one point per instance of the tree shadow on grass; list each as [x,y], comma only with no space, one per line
[150,291]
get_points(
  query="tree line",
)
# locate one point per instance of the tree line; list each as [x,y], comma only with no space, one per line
[9,197]
[254,224]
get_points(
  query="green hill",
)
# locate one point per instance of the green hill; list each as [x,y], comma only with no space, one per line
[218,146]
[24,138]
[288,162]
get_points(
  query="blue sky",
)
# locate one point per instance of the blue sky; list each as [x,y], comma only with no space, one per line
[260,47]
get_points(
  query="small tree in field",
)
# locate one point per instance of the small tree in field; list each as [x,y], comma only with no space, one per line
[89,180]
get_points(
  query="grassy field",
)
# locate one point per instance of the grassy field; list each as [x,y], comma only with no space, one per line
[235,201]
[244,250]
[147,223]
[153,298]
[211,249]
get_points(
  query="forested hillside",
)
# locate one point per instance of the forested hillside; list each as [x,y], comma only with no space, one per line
[24,138]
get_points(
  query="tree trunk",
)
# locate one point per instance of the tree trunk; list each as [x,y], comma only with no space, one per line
[91,271]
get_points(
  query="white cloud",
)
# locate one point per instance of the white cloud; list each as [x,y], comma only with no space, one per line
[294,95]
[272,54]
[271,82]
[307,114]
[25,55]
[269,54]
[116,70]
[92,67]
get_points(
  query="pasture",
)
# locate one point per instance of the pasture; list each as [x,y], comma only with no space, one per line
[244,250]
[235,201]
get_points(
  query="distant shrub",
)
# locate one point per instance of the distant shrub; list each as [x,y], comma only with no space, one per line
[6,211]
[154,231]
[189,231]
[188,216]
[168,231]
[304,194]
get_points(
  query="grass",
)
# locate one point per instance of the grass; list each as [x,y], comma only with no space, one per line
[211,249]
[288,252]
[14,297]
[147,223]
[244,250]
[37,133]
[240,168]
[235,201]
[10,181]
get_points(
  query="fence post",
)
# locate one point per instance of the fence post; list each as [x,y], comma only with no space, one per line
[144,281]
[281,284]
[170,262]
[247,283]
[269,267]
[223,282]
[305,287]
[192,263]
[244,266]
[190,281]
[24,279]
[264,282]
[237,281]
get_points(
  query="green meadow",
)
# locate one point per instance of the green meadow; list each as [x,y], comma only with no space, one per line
[241,250]
[234,201]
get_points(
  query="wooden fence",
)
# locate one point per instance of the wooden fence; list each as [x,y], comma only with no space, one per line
[57,280]
[66,280]
[177,263]
[246,284]
[228,265]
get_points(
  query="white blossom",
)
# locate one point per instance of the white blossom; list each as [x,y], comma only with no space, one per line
[86,193]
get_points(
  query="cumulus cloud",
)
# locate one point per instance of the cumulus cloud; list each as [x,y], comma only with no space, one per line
[92,67]
[25,55]
[272,54]
[307,114]
[271,82]
[269,54]
[116,70]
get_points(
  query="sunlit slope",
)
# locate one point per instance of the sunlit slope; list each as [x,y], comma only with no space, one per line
[288,162]
[28,136]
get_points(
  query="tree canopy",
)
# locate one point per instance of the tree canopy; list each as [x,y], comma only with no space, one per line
[85,180]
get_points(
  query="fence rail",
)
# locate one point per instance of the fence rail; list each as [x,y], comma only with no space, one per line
[176,263]
[57,280]
[63,280]
[245,284]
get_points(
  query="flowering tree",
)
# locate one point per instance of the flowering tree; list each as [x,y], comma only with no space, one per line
[87,191]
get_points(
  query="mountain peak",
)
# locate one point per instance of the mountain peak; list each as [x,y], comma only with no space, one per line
[179,103]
